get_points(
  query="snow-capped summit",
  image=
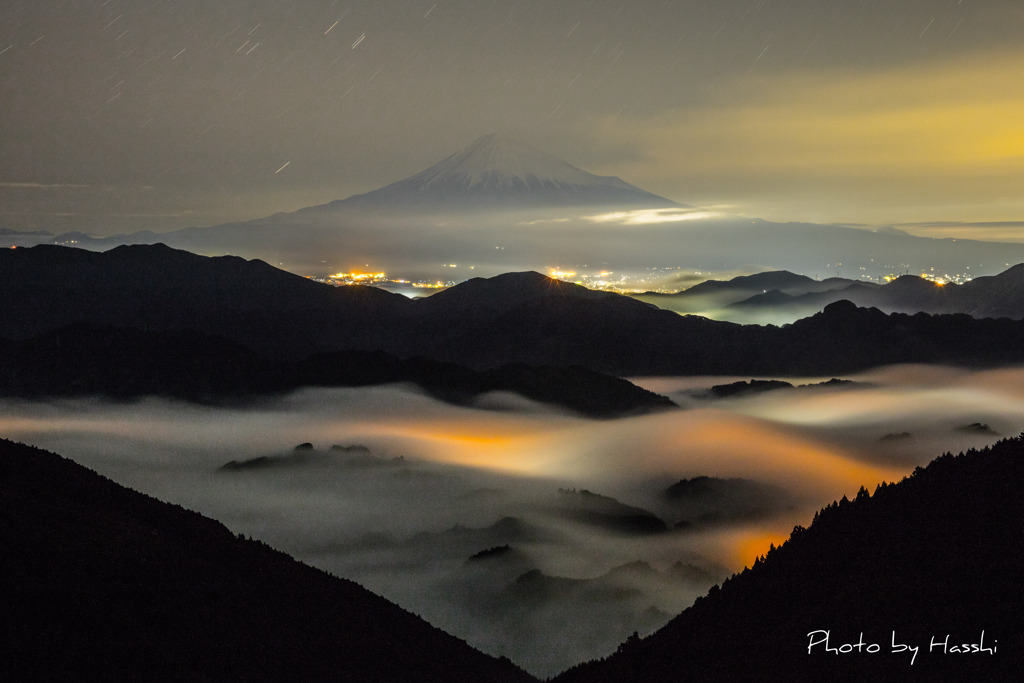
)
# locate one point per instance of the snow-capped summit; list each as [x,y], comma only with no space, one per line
[495,170]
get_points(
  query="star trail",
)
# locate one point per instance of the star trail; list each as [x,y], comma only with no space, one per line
[159,115]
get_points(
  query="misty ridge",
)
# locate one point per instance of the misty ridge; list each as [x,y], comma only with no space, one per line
[949,532]
[610,527]
[513,562]
[101,582]
[781,296]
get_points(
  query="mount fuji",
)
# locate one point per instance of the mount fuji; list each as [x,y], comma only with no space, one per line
[499,205]
[485,204]
[497,171]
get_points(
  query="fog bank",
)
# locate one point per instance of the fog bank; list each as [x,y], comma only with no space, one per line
[538,535]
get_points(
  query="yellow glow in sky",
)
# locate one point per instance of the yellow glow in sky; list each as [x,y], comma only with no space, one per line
[915,143]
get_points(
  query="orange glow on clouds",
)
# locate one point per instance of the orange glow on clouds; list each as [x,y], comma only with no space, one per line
[754,544]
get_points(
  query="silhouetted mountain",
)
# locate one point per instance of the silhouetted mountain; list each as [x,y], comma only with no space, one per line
[431,546]
[778,279]
[495,171]
[154,287]
[934,562]
[600,611]
[843,338]
[517,318]
[994,296]
[606,513]
[754,386]
[487,298]
[305,455]
[85,359]
[703,501]
[763,288]
[496,552]
[535,585]
[624,338]
[978,428]
[102,583]
[23,238]
[759,386]
[565,326]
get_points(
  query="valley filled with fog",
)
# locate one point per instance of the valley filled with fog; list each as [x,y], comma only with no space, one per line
[529,532]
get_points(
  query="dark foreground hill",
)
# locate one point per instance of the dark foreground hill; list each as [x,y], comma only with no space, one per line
[99,582]
[920,581]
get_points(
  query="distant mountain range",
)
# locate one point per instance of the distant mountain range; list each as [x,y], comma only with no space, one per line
[919,580]
[407,226]
[102,583]
[481,324]
[498,205]
[788,295]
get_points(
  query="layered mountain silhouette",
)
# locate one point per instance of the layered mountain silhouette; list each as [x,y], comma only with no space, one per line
[795,296]
[994,296]
[924,574]
[124,363]
[102,583]
[711,294]
[482,324]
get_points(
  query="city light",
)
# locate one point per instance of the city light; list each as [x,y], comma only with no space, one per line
[355,278]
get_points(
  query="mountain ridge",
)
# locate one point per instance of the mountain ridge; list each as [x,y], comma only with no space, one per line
[482,324]
[495,170]
[123,363]
[991,296]
[104,583]
[933,558]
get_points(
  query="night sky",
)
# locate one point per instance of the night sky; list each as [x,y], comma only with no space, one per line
[122,115]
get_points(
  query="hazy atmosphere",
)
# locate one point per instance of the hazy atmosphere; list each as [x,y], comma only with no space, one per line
[416,488]
[121,116]
[464,301]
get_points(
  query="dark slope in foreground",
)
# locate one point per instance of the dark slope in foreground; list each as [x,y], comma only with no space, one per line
[102,583]
[939,554]
[125,363]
